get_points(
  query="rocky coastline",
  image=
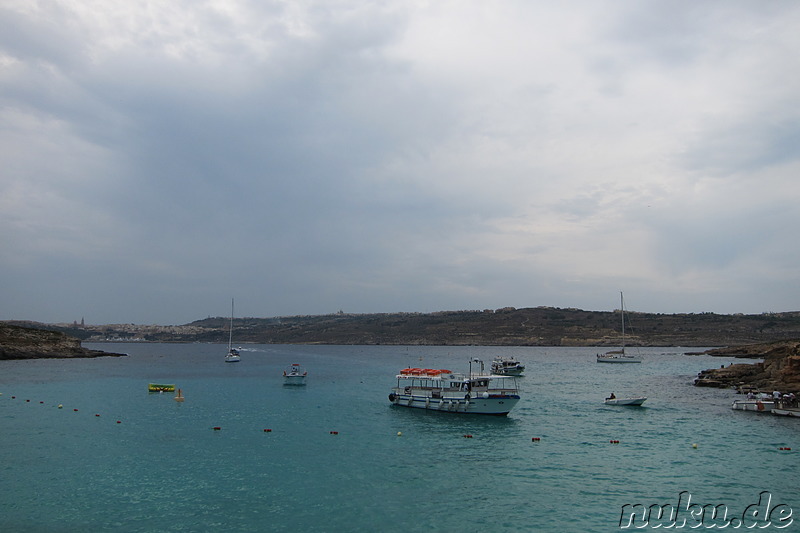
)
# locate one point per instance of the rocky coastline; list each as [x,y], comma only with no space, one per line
[779,370]
[18,342]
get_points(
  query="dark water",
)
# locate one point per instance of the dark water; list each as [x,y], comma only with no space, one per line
[164,467]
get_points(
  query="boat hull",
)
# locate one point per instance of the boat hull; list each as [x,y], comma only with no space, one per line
[633,402]
[618,360]
[786,411]
[498,405]
[759,406]
[294,380]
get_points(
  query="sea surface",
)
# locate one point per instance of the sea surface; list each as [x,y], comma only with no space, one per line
[339,457]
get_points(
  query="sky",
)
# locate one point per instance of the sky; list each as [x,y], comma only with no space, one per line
[159,158]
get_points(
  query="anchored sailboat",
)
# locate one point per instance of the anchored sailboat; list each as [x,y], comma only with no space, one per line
[233,353]
[619,356]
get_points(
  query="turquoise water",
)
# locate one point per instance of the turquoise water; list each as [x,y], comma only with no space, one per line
[163,466]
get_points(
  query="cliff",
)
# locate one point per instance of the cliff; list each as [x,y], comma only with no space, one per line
[29,343]
[780,369]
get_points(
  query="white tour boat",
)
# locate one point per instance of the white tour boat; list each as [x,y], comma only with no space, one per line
[507,366]
[619,356]
[447,391]
[294,375]
[631,401]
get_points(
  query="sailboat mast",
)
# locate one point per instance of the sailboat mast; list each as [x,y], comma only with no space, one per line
[230,329]
[622,314]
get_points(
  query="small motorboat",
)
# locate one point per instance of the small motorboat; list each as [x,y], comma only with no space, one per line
[633,401]
[507,366]
[295,375]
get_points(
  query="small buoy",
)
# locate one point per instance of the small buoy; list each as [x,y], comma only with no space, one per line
[614,441]
[28,401]
[787,449]
[399,433]
[468,436]
[96,414]
[41,402]
[267,430]
[334,432]
[535,439]
[119,421]
[217,428]
[75,410]
[60,406]
[694,445]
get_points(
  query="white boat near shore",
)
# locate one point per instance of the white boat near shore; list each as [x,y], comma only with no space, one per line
[759,405]
[507,366]
[446,391]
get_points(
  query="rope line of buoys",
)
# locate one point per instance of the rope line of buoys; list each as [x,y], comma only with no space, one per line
[614,441]
[785,449]
[535,439]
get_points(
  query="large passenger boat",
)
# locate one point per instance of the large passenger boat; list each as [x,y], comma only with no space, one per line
[447,391]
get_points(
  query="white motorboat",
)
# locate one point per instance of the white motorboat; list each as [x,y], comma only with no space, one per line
[619,356]
[633,401]
[295,375]
[507,366]
[446,391]
[233,353]
[759,405]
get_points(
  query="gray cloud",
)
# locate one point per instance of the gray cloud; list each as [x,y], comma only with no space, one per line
[307,158]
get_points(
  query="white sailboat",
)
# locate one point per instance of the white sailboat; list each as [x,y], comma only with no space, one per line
[619,356]
[233,353]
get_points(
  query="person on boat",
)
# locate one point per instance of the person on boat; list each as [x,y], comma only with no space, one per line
[612,397]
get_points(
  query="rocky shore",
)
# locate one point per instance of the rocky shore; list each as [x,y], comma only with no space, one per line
[28,343]
[780,369]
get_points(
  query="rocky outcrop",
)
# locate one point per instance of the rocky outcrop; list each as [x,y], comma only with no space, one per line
[780,369]
[28,343]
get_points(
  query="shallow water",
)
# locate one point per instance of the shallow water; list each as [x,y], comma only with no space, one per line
[164,466]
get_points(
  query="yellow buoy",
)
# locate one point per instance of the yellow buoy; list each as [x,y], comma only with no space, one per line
[399,433]
[694,445]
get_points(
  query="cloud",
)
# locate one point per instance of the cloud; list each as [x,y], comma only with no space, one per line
[374,156]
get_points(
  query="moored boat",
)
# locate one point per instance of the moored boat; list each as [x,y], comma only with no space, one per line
[619,356]
[782,409]
[759,405]
[233,353]
[507,366]
[447,391]
[633,401]
[295,375]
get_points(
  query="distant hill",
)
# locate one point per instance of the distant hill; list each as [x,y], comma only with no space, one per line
[539,326]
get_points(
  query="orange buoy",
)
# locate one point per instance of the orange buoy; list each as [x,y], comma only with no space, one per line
[119,421]
[96,414]
[334,432]
[75,410]
[217,428]
[267,430]
[535,439]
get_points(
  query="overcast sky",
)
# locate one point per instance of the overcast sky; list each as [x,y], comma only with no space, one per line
[158,158]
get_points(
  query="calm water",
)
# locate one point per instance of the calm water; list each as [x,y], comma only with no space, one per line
[163,467]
